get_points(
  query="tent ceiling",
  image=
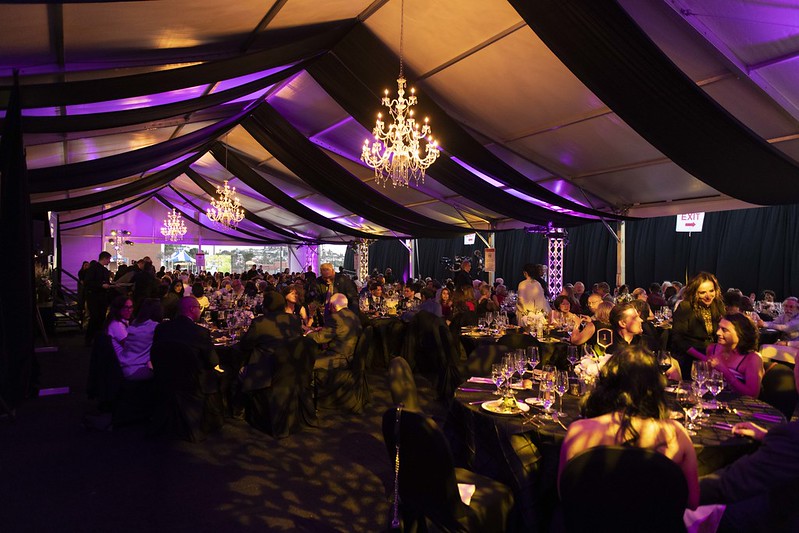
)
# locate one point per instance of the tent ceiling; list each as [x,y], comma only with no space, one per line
[477,60]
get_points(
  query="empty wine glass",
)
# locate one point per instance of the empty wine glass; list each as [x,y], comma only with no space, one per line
[687,402]
[532,357]
[561,386]
[572,355]
[497,377]
[547,387]
[715,384]
[521,365]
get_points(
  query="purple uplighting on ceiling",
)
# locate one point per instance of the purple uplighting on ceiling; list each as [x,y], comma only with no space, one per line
[173,162]
[241,80]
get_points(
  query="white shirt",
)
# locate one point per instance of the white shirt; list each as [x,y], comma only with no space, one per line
[136,352]
[118,331]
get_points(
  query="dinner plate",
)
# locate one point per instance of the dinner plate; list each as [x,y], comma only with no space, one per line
[674,390]
[495,406]
[535,400]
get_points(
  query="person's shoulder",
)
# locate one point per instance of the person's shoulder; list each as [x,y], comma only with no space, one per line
[788,430]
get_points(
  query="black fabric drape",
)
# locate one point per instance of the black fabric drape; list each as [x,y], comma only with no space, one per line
[105,169]
[749,249]
[432,251]
[117,119]
[319,171]
[590,256]
[617,61]
[152,182]
[17,301]
[516,248]
[210,190]
[96,216]
[389,254]
[237,166]
[288,46]
[360,64]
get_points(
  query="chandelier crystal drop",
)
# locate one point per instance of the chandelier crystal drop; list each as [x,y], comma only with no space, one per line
[396,151]
[173,229]
[226,210]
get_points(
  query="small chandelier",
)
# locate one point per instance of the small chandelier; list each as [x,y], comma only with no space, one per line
[173,229]
[227,210]
[118,241]
[395,153]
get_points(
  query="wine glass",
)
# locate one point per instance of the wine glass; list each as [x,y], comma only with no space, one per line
[572,355]
[532,357]
[687,402]
[546,389]
[664,361]
[715,384]
[497,377]
[561,386]
[521,365]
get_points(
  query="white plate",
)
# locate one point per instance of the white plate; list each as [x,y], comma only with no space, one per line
[495,406]
[674,390]
[535,400]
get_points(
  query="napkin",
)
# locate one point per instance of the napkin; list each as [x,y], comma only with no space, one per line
[705,519]
[480,380]
[466,491]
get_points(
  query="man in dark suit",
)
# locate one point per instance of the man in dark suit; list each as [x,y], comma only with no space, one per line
[96,281]
[760,490]
[330,283]
[340,334]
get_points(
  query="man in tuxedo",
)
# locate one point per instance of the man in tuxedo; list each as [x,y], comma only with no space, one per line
[340,334]
[96,281]
[760,490]
[330,283]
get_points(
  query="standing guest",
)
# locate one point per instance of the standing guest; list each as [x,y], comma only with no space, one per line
[759,490]
[116,325]
[81,286]
[330,283]
[628,408]
[696,320]
[171,299]
[135,357]
[538,275]
[531,296]
[97,279]
[734,354]
[463,277]
[389,276]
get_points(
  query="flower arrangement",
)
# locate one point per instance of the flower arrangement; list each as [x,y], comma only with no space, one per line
[587,369]
[535,321]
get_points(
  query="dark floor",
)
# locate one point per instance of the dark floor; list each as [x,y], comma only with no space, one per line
[56,475]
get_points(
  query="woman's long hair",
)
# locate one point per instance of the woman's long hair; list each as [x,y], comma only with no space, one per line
[115,309]
[630,383]
[690,294]
[747,333]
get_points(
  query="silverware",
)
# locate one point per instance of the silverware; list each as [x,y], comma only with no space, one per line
[723,426]
[473,390]
[556,418]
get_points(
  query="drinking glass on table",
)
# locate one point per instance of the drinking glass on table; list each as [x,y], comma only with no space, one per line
[561,386]
[715,384]
[572,355]
[664,361]
[687,402]
[545,393]
[532,357]
[497,377]
[521,365]
[698,391]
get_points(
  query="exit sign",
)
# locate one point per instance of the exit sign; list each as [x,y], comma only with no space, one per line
[690,222]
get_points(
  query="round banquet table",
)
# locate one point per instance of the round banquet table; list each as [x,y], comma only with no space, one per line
[525,455]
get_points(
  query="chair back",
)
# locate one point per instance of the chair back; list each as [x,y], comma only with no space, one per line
[517,341]
[361,355]
[105,373]
[423,343]
[427,483]
[402,385]
[623,489]
[778,389]
[482,357]
[176,366]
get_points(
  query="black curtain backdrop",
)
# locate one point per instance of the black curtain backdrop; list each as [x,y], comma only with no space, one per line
[749,249]
[389,254]
[591,255]
[515,249]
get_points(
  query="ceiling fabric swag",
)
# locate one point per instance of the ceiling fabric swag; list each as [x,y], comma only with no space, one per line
[93,218]
[301,43]
[128,117]
[360,61]
[615,59]
[239,168]
[187,216]
[326,176]
[105,169]
[94,214]
[152,182]
[210,190]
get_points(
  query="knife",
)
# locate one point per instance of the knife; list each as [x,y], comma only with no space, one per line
[473,390]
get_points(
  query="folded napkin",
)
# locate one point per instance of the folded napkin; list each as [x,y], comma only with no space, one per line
[466,491]
[480,380]
[767,417]
[705,519]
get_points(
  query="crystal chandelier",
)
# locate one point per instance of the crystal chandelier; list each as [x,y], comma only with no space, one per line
[173,229]
[227,209]
[395,153]
[118,241]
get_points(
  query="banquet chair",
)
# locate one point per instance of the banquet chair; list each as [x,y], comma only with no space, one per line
[427,481]
[346,387]
[622,489]
[517,341]
[430,343]
[402,385]
[278,390]
[778,389]
[188,404]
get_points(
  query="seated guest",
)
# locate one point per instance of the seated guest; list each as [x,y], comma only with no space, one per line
[485,304]
[429,302]
[171,299]
[183,329]
[568,292]
[294,295]
[116,323]
[375,297]
[585,331]
[627,326]
[732,302]
[135,357]
[561,312]
[788,322]
[656,300]
[759,490]
[340,334]
[409,298]
[628,408]
[273,326]
[734,355]
[446,302]
[198,292]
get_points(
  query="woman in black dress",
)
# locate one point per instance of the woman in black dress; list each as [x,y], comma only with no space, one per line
[696,320]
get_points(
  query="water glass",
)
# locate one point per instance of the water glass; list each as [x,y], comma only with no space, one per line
[532,357]
[497,377]
[715,384]
[561,387]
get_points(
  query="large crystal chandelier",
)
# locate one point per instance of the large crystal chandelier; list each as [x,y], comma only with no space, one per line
[396,152]
[227,209]
[173,229]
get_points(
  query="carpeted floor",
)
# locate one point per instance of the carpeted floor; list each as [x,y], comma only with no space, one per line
[56,475]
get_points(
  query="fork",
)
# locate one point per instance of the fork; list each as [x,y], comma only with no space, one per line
[556,418]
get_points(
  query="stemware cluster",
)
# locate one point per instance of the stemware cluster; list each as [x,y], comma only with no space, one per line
[704,379]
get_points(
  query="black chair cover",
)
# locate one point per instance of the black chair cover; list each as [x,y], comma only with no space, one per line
[429,343]
[778,389]
[187,406]
[623,489]
[402,385]
[346,387]
[278,388]
[482,357]
[516,341]
[428,480]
